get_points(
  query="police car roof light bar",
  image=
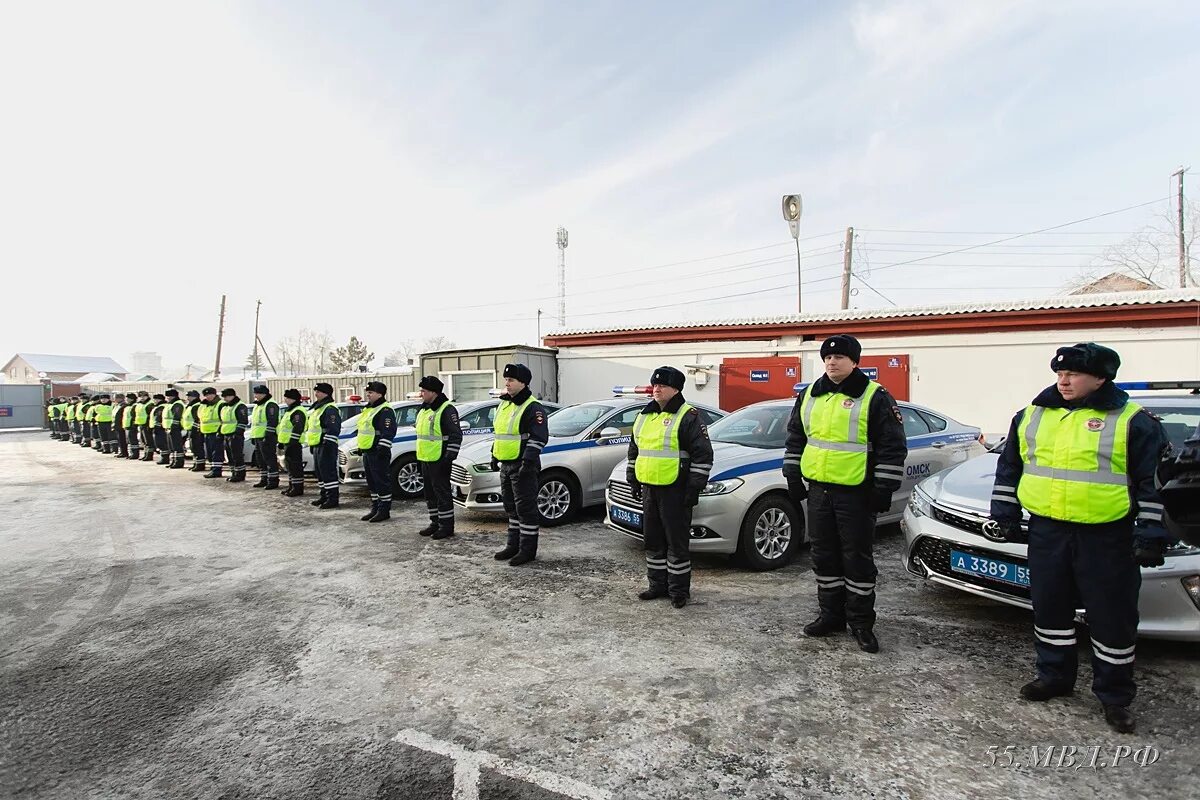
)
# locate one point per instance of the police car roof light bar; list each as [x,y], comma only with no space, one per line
[799,387]
[623,390]
[1150,385]
[494,393]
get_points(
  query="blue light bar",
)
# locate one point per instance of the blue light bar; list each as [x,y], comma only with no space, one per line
[1139,386]
[799,387]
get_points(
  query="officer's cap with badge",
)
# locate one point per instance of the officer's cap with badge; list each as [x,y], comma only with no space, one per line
[842,344]
[193,393]
[209,391]
[228,392]
[1088,357]
[431,383]
[159,397]
[173,393]
[261,389]
[379,387]
[292,394]
[668,376]
[130,396]
[518,372]
[323,387]
[105,397]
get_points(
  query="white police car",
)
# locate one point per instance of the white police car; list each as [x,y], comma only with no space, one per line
[348,409]
[944,539]
[586,440]
[745,508]
[407,482]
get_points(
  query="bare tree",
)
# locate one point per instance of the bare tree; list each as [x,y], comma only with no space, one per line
[1150,255]
[305,353]
[402,355]
[435,343]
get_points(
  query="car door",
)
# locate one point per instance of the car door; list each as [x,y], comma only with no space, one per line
[479,422]
[957,448]
[924,458]
[607,452]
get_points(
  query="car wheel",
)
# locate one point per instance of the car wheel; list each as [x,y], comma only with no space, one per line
[558,498]
[407,480]
[772,532]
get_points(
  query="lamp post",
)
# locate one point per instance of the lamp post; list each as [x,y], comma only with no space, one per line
[793,206]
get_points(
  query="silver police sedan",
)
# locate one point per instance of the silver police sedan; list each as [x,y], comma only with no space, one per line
[586,440]
[745,508]
[944,541]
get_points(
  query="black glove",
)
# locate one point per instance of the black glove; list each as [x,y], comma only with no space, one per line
[691,498]
[495,465]
[1148,551]
[635,489]
[881,500]
[1011,532]
[797,491]
[791,471]
[282,448]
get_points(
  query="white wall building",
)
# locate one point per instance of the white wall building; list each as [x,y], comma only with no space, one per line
[979,363]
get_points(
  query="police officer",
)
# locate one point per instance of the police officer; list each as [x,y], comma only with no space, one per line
[103,416]
[158,433]
[321,434]
[73,419]
[209,415]
[52,416]
[376,430]
[520,434]
[139,433]
[670,458]
[190,427]
[97,439]
[85,409]
[1081,460]
[292,420]
[439,437]
[264,436]
[150,426]
[846,438]
[172,425]
[122,448]
[234,422]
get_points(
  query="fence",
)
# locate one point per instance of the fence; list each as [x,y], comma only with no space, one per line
[22,406]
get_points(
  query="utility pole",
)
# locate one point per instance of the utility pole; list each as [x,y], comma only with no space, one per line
[220,336]
[257,310]
[1183,260]
[847,265]
[562,277]
[539,317]
[793,206]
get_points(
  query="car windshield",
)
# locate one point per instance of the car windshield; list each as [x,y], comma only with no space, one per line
[754,426]
[574,420]
[1178,421]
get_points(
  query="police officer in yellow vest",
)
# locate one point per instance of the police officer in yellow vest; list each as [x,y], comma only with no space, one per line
[73,419]
[86,415]
[235,420]
[321,434]
[103,417]
[264,434]
[292,421]
[141,430]
[190,423]
[119,412]
[52,416]
[209,415]
[158,434]
[1081,460]
[172,425]
[669,461]
[376,430]
[846,438]
[97,439]
[520,434]
[439,437]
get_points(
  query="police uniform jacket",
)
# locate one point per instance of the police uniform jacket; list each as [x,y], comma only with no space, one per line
[156,413]
[330,420]
[384,423]
[241,415]
[177,420]
[693,440]
[451,429]
[885,433]
[272,415]
[119,415]
[533,427]
[1146,443]
[299,420]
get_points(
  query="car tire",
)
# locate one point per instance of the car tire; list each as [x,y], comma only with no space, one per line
[559,491]
[772,532]
[407,481]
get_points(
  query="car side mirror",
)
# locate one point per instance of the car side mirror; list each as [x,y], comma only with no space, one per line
[466,426]
[609,433]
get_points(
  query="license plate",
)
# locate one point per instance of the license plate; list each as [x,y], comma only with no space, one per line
[629,519]
[997,570]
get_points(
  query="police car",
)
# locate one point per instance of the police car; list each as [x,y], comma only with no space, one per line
[945,542]
[585,441]
[348,410]
[407,482]
[745,509]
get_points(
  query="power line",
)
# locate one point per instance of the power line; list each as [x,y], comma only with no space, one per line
[1006,233]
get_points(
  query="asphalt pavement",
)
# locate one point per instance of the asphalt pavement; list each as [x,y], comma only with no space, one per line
[165,636]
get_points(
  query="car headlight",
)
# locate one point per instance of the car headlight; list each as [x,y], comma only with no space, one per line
[920,503]
[721,487]
[484,467]
[356,452]
[1191,585]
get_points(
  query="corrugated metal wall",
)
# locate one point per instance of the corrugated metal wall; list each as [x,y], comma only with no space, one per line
[542,363]
[345,385]
[22,405]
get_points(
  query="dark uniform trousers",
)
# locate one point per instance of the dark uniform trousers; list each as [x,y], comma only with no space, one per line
[268,458]
[147,434]
[437,495]
[87,434]
[518,490]
[841,530]
[107,439]
[325,466]
[293,458]
[162,444]
[76,432]
[375,465]
[132,435]
[175,438]
[214,448]
[196,439]
[1070,565]
[235,451]
[666,529]
[122,442]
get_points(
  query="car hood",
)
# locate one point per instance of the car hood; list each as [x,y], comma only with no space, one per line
[480,452]
[967,486]
[731,461]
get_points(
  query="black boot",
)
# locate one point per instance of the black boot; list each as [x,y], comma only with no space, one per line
[443,532]
[866,640]
[176,463]
[238,476]
[163,461]
[148,457]
[514,547]
[679,600]
[215,472]
[1039,691]
[272,482]
[199,466]
[383,513]
[824,626]
[653,593]
[1120,718]
[374,507]
[428,530]
[262,482]
[331,499]
[320,501]
[527,551]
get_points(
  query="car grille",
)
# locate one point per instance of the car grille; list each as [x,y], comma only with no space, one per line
[960,521]
[935,555]
[620,494]
[343,459]
[459,474]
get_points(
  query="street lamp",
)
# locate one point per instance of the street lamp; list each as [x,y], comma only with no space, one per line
[793,206]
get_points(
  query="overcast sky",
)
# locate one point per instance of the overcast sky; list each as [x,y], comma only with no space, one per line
[397,170]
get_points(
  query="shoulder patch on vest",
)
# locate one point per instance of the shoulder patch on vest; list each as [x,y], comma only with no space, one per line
[896,413]
[539,417]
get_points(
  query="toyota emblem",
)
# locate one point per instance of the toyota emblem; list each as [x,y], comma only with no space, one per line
[991,529]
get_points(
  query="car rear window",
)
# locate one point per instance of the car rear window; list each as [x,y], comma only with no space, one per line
[1178,421]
